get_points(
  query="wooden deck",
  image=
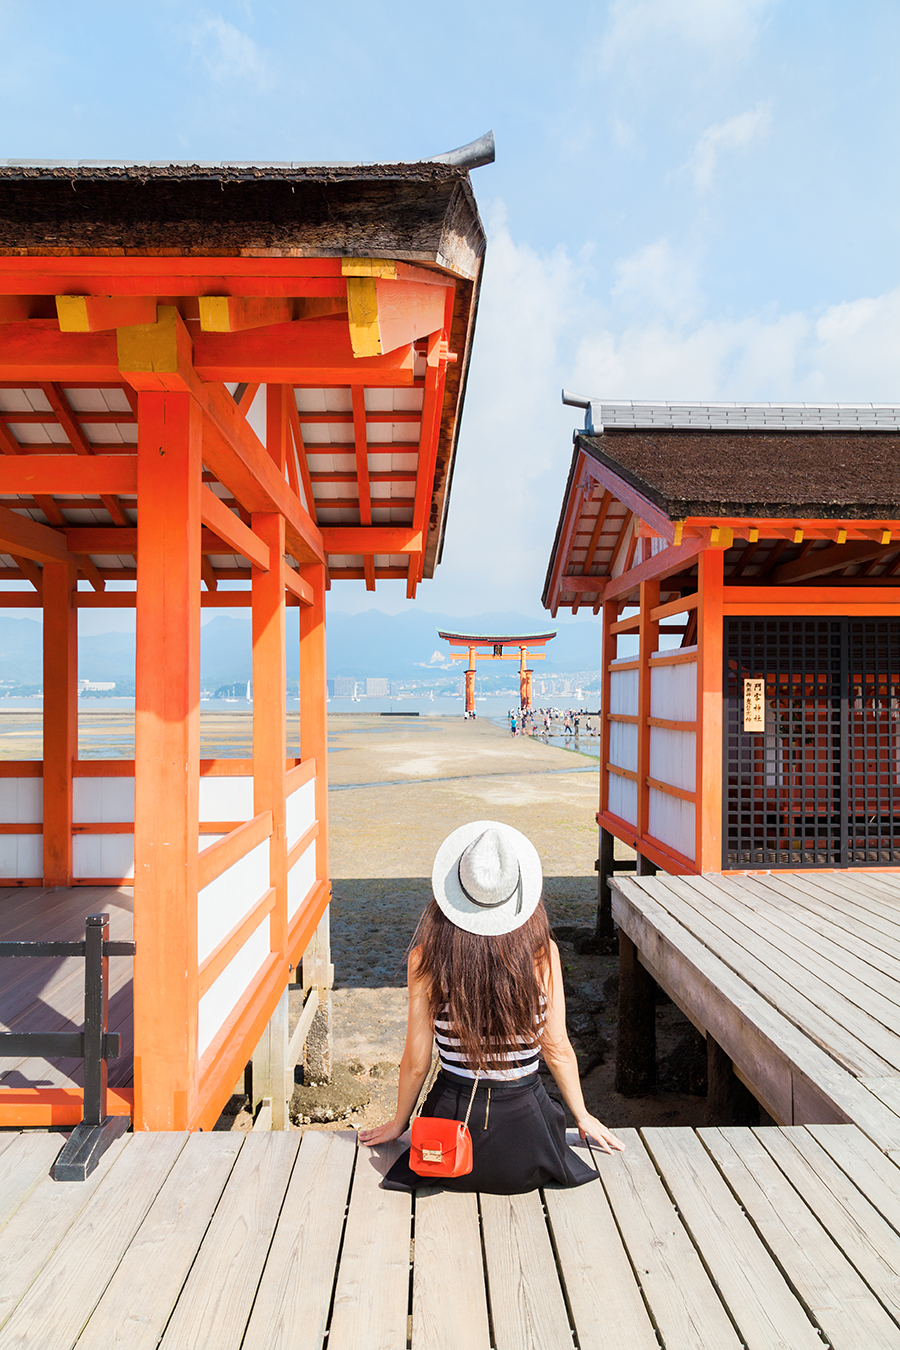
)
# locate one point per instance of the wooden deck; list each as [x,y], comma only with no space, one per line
[48,994]
[795,975]
[692,1240]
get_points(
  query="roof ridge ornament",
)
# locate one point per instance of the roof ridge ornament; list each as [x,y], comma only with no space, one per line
[675,415]
[471,156]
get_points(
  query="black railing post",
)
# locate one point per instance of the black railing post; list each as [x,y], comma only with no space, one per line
[96,1017]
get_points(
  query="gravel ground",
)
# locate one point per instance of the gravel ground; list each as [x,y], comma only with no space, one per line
[398,787]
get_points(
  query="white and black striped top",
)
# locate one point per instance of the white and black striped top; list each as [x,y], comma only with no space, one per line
[521,1058]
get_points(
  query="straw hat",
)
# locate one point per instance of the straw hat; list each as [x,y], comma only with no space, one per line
[487,878]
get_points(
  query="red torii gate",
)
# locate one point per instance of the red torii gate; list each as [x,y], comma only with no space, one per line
[472,641]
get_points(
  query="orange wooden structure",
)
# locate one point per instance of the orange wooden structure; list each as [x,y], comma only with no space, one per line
[210,375]
[525,645]
[768,537]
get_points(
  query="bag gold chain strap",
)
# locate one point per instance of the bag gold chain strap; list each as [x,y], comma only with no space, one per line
[429,1084]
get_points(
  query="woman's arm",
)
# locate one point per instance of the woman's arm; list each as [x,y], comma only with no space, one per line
[560,1057]
[416,1060]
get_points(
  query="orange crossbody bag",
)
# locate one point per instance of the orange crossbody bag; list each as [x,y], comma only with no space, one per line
[440,1147]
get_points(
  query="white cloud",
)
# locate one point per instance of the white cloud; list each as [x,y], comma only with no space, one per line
[228,54]
[735,134]
[659,279]
[719,24]
[849,353]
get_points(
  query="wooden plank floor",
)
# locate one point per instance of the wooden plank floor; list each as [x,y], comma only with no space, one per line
[714,1239]
[48,994]
[796,975]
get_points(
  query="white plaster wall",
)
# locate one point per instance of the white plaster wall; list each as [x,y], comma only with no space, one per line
[623,692]
[102,800]
[623,797]
[22,855]
[226,798]
[229,898]
[300,811]
[673,757]
[301,879]
[21,803]
[103,855]
[673,692]
[623,745]
[672,821]
[229,988]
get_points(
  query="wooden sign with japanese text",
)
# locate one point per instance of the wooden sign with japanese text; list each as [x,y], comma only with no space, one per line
[754,705]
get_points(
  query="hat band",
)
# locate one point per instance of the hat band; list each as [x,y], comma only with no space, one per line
[492,904]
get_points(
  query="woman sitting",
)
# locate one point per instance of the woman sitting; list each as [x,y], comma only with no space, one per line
[485,981]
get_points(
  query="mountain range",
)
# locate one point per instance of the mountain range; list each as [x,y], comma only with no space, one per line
[393,646]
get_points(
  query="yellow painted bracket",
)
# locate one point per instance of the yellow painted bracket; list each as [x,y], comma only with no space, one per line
[369,267]
[362,312]
[155,350]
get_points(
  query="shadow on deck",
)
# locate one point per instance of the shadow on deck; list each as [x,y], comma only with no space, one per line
[47,994]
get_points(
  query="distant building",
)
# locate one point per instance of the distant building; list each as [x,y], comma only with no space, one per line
[378,688]
[344,687]
[95,686]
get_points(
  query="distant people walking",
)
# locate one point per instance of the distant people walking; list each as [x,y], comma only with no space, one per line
[485,981]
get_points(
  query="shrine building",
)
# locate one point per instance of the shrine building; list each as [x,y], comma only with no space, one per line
[209,374]
[766,538]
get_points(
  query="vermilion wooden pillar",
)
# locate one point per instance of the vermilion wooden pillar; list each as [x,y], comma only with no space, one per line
[710,637]
[60,718]
[167,760]
[313,714]
[269,724]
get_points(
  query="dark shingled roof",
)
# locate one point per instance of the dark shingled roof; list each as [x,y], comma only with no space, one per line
[422,212]
[811,474]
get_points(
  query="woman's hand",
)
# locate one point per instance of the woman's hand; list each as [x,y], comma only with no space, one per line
[590,1126]
[382,1134]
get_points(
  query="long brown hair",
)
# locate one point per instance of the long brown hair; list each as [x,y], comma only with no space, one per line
[492,986]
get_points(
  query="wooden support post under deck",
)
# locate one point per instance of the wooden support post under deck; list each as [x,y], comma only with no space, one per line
[605,867]
[636,1038]
[728,1101]
[167,761]
[60,718]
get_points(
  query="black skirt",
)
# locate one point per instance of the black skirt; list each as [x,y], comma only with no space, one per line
[518,1139]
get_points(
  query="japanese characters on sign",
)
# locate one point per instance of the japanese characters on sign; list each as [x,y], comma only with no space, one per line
[754,705]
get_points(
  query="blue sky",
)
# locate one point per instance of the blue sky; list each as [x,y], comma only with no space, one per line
[691,199]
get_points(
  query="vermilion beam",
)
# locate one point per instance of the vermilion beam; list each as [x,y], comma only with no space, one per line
[232,529]
[26,537]
[91,475]
[102,276]
[308,352]
[371,539]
